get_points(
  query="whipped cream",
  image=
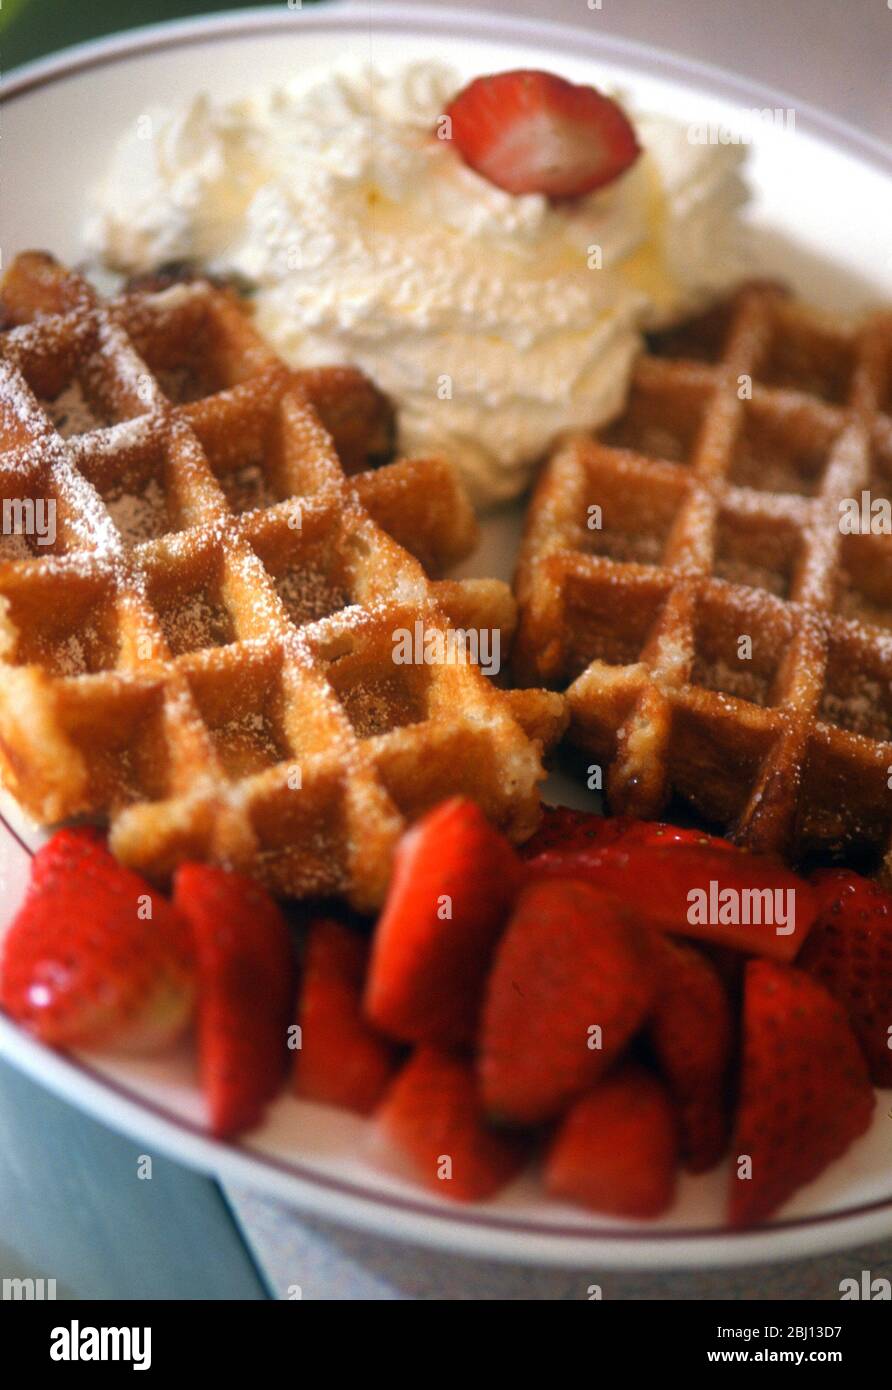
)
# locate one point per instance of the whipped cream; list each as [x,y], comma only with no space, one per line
[493,321]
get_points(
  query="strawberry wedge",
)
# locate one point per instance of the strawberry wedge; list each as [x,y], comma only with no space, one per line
[616,1149]
[341,1060]
[245,992]
[567,831]
[747,901]
[453,883]
[95,956]
[572,983]
[805,1095]
[850,952]
[432,1117]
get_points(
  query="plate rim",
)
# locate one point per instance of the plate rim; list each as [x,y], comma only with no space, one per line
[340,14]
[396,1217]
[470,1231]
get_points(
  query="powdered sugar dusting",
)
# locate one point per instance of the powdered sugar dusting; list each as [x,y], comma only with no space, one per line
[195,622]
[17,402]
[247,488]
[139,516]
[113,440]
[71,412]
[247,743]
[70,658]
[861,707]
[309,594]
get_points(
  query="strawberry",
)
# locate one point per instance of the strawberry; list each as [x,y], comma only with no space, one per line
[531,132]
[691,1033]
[341,1061]
[566,831]
[804,1090]
[616,1150]
[662,836]
[432,1116]
[567,965]
[657,885]
[95,956]
[245,992]
[453,881]
[849,950]
[66,851]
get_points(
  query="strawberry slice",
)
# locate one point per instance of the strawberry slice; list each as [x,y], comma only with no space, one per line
[95,956]
[661,835]
[433,1117]
[565,831]
[691,1030]
[63,855]
[616,1150]
[531,132]
[730,898]
[245,992]
[567,966]
[341,1061]
[849,950]
[453,881]
[805,1095]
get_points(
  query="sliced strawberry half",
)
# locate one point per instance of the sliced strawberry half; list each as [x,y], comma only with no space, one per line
[245,992]
[805,1094]
[433,1117]
[727,897]
[616,1149]
[454,879]
[532,132]
[95,955]
[691,1029]
[341,1060]
[849,949]
[572,981]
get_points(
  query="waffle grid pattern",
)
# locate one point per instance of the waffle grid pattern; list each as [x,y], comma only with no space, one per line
[719,492]
[204,654]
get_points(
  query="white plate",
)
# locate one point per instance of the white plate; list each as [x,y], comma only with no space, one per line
[823,209]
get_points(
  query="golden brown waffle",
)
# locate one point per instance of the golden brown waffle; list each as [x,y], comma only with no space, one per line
[720,522]
[204,655]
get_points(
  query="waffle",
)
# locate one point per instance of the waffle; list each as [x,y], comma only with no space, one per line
[719,492]
[203,656]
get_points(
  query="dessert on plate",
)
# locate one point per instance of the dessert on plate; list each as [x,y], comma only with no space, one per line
[204,655]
